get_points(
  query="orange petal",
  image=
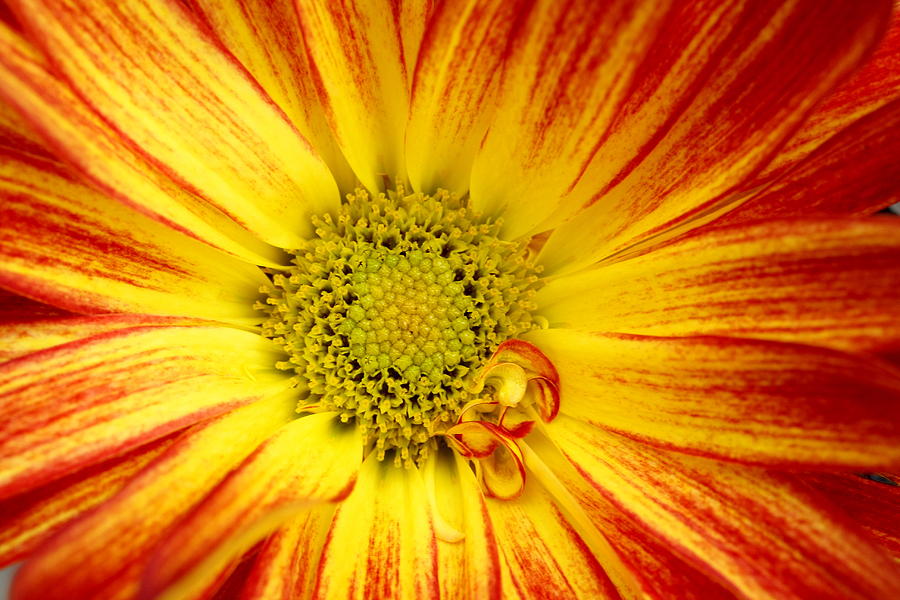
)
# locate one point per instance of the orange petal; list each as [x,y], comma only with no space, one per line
[387,522]
[92,558]
[851,173]
[358,60]
[735,399]
[826,281]
[79,403]
[65,244]
[311,460]
[156,77]
[469,567]
[711,103]
[542,554]
[874,505]
[286,566]
[266,38]
[454,90]
[29,519]
[761,534]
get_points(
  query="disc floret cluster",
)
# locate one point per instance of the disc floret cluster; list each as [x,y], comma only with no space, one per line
[390,309]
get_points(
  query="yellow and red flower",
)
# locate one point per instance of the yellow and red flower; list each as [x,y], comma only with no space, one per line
[659,331]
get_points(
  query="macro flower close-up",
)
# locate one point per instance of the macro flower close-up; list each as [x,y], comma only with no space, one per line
[449,299]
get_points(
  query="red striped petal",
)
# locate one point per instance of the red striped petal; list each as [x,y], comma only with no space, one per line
[758,533]
[387,519]
[70,406]
[851,173]
[28,335]
[266,38]
[359,63]
[311,460]
[708,107]
[287,563]
[735,399]
[103,554]
[15,132]
[79,136]
[826,281]
[64,244]
[29,519]
[162,83]
[873,86]
[872,504]
[542,554]
[454,90]
[641,566]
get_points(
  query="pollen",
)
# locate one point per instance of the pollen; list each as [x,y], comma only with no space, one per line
[388,312]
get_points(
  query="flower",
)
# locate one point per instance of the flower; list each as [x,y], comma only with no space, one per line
[602,312]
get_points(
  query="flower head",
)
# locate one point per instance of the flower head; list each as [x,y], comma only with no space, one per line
[468,298]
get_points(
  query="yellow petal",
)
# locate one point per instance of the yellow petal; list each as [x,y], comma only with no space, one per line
[386,520]
[454,90]
[266,38]
[357,54]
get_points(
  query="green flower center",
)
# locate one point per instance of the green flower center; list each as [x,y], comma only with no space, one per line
[388,313]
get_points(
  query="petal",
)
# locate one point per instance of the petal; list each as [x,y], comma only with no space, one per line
[824,281]
[758,533]
[640,565]
[357,54]
[30,519]
[15,132]
[469,567]
[544,556]
[153,74]
[851,173]
[873,86]
[15,309]
[311,460]
[286,566]
[74,132]
[735,399]
[700,118]
[79,403]
[557,94]
[102,554]
[873,505]
[28,335]
[454,90]
[266,38]
[387,519]
[64,244]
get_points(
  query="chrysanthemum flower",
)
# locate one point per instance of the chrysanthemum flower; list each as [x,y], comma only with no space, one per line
[465,298]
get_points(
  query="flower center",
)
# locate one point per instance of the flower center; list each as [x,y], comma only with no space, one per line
[390,311]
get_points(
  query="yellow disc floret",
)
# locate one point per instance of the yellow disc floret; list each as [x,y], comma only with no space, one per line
[388,312]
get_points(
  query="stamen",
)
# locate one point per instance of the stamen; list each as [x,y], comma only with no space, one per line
[391,311]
